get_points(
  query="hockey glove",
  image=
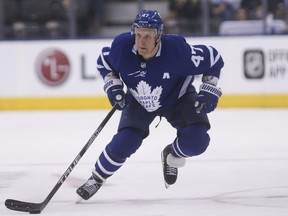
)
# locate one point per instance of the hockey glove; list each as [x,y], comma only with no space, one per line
[114,90]
[207,99]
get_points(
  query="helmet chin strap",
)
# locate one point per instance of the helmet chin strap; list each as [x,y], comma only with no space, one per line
[157,39]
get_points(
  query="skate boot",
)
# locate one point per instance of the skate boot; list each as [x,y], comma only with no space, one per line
[87,190]
[170,166]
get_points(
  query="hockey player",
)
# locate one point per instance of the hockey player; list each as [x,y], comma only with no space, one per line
[158,71]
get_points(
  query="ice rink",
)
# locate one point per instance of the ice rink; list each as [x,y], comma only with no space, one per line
[244,172]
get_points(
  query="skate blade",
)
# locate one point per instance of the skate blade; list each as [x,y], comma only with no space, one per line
[166,185]
[78,200]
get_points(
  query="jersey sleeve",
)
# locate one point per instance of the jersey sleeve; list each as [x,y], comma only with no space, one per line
[111,57]
[103,63]
[207,60]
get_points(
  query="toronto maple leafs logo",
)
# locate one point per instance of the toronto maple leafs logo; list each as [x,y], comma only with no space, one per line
[147,97]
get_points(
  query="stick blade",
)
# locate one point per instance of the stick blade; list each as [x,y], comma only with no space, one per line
[16,205]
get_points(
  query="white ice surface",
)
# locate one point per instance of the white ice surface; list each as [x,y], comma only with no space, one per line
[244,172]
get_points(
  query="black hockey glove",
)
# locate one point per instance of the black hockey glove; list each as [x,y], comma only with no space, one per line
[207,99]
[114,90]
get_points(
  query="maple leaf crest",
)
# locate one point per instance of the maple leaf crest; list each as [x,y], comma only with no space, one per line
[147,98]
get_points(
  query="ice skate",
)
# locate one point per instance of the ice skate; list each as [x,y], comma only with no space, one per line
[87,190]
[170,166]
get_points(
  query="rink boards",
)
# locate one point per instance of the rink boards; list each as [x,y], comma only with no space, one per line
[61,74]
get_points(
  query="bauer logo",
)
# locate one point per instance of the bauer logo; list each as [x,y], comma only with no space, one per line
[254,64]
[52,67]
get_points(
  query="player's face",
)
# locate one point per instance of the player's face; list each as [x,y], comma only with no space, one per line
[145,41]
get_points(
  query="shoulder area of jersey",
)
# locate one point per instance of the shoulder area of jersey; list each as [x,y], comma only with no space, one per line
[173,40]
[173,37]
[125,38]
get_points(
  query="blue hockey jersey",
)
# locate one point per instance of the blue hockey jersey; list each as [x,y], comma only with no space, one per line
[162,80]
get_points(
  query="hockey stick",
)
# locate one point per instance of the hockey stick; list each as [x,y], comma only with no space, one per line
[36,208]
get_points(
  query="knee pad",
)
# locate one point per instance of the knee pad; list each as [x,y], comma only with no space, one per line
[191,141]
[125,143]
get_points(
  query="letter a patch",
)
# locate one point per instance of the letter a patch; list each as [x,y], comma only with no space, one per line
[166,75]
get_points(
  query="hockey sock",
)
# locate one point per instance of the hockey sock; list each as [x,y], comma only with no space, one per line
[122,146]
